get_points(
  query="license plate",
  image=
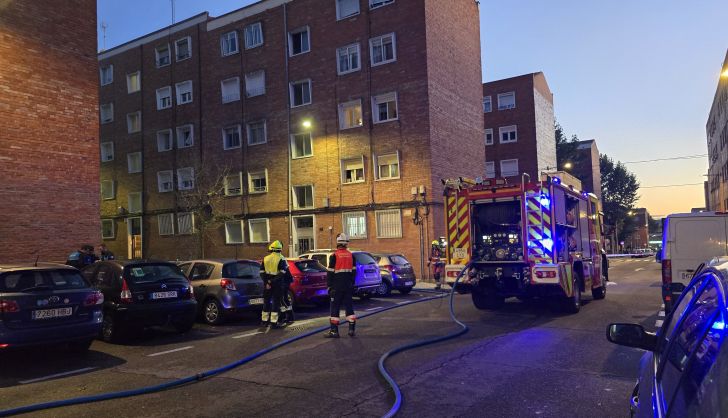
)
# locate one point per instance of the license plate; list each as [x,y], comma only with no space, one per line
[52,313]
[256,301]
[164,295]
[409,283]
[686,275]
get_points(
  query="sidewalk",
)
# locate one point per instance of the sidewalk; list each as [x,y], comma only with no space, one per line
[428,285]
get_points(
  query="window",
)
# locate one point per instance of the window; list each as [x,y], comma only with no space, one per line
[352,170]
[487,104]
[301,145]
[302,197]
[164,98]
[234,232]
[166,224]
[107,75]
[299,41]
[253,35]
[133,82]
[383,49]
[230,90]
[162,56]
[355,224]
[164,181]
[300,93]
[255,83]
[384,107]
[388,166]
[134,122]
[347,58]
[185,223]
[507,100]
[231,137]
[134,200]
[107,113]
[233,184]
[389,223]
[489,136]
[257,133]
[373,4]
[107,189]
[164,140]
[258,181]
[350,115]
[184,92]
[490,169]
[346,8]
[134,162]
[258,230]
[185,136]
[229,43]
[183,48]
[508,134]
[185,178]
[509,167]
[107,151]
[108,229]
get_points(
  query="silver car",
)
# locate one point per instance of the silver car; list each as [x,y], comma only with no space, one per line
[367,279]
[401,274]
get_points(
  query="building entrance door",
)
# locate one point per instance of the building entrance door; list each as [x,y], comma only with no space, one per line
[134,237]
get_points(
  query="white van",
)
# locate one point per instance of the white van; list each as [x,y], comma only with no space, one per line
[688,240]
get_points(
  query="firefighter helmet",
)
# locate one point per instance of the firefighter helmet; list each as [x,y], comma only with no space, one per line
[275,246]
[435,243]
[342,239]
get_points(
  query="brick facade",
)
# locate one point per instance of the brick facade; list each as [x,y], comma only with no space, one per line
[49,195]
[716,130]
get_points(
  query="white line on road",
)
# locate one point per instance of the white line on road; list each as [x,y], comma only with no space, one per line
[611,283]
[170,351]
[308,321]
[403,302]
[250,334]
[658,323]
[373,309]
[639,269]
[661,314]
[52,376]
[662,306]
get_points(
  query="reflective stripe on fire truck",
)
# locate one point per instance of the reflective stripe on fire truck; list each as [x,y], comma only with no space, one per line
[565,280]
[538,221]
[458,226]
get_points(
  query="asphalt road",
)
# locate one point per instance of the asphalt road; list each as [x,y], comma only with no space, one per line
[524,360]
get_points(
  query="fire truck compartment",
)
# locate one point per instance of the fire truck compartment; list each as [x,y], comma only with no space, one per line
[497,230]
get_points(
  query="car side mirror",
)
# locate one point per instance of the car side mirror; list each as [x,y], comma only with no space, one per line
[632,335]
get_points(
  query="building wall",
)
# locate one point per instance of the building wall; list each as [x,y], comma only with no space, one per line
[49,194]
[717,135]
[545,133]
[587,167]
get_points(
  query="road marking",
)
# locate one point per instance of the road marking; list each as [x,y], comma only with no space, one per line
[639,269]
[250,334]
[662,306]
[403,302]
[53,376]
[308,321]
[373,309]
[661,314]
[170,351]
[611,283]
[658,323]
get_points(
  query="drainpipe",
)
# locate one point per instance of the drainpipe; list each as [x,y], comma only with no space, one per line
[291,247]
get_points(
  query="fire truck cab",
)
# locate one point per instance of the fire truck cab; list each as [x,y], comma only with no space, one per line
[534,239]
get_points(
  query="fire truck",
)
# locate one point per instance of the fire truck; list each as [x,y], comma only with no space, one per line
[533,239]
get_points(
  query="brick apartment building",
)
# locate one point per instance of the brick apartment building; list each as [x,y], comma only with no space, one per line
[301,118]
[640,237]
[586,167]
[49,194]
[519,127]
[717,133]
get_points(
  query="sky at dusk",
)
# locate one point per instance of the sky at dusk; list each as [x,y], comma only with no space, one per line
[637,76]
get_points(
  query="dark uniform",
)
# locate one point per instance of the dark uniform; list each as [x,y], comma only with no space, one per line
[286,302]
[83,258]
[273,271]
[436,260]
[340,282]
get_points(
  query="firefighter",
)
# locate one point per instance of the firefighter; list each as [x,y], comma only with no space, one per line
[273,271]
[340,281]
[287,315]
[436,259]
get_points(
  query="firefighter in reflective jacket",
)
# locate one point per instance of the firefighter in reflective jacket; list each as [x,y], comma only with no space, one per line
[273,271]
[340,281]
[436,260]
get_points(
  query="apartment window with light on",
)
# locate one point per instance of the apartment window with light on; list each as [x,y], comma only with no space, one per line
[133,82]
[348,59]
[185,136]
[231,137]
[299,41]
[134,162]
[134,122]
[507,100]
[108,229]
[257,133]
[389,223]
[487,104]
[234,232]
[164,140]
[383,49]
[229,43]
[253,35]
[373,4]
[509,168]
[107,151]
[490,169]
[301,145]
[255,83]
[164,98]
[302,197]
[508,134]
[184,92]
[355,224]
[107,189]
[300,93]
[384,107]
[258,229]
[258,181]
[166,224]
[134,200]
[107,112]
[107,75]
[183,48]
[388,166]
[346,8]
[164,181]
[230,89]
[233,185]
[185,178]
[185,223]
[350,115]
[162,56]
[352,170]
[489,136]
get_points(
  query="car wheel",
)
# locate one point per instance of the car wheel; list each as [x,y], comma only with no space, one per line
[182,327]
[213,313]
[487,300]
[405,291]
[364,296]
[573,304]
[600,292]
[80,346]
[110,329]
[384,289]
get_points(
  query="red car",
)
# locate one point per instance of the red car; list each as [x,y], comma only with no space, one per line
[309,281]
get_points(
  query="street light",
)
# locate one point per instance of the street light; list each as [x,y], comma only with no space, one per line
[568,165]
[306,123]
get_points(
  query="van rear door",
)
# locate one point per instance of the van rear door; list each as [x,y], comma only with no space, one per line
[694,241]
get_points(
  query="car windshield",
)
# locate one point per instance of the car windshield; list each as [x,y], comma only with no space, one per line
[140,273]
[19,281]
[241,269]
[399,260]
[310,266]
[363,258]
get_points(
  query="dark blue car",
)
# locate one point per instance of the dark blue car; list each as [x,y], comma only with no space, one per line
[47,304]
[685,370]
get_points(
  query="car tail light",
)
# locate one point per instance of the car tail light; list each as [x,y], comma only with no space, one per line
[227,284]
[666,272]
[9,306]
[391,268]
[95,298]
[125,292]
[546,274]
[4,346]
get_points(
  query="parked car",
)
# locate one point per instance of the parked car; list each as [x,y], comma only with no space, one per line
[224,287]
[47,304]
[401,274]
[685,370]
[642,253]
[309,281]
[140,294]
[367,279]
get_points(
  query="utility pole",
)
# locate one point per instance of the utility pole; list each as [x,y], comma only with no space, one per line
[173,18]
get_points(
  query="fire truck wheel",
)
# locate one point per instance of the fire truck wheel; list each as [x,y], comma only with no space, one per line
[573,304]
[487,300]
[600,292]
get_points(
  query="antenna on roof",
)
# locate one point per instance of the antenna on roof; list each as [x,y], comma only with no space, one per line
[103,31]
[173,19]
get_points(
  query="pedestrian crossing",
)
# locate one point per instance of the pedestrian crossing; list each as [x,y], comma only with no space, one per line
[660,317]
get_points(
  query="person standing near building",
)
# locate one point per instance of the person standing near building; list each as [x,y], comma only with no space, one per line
[273,272]
[437,262]
[340,281]
[104,253]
